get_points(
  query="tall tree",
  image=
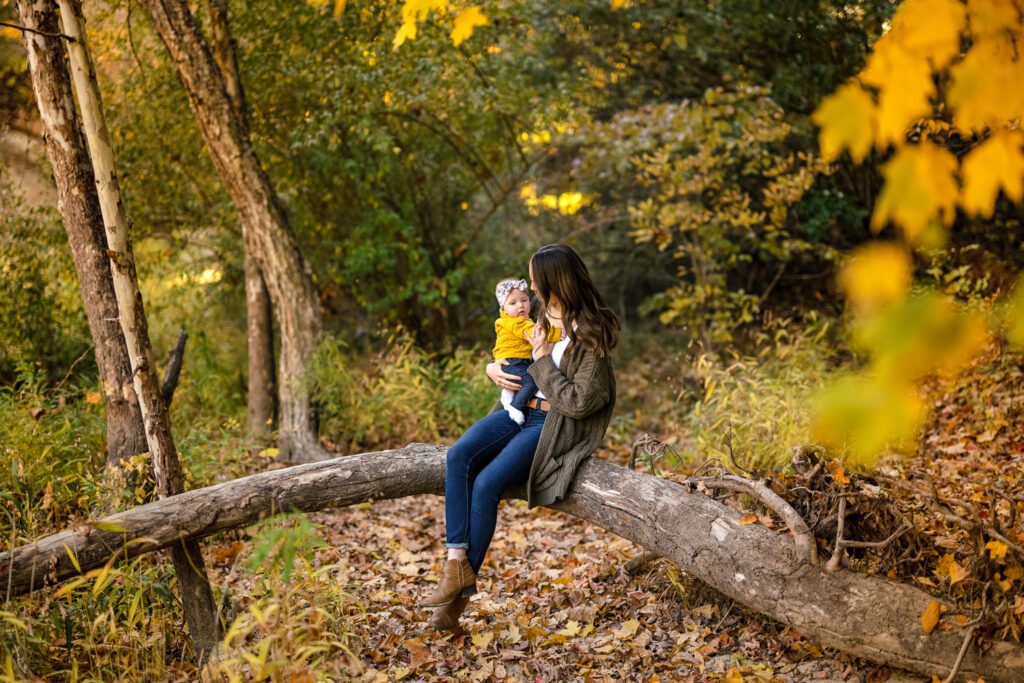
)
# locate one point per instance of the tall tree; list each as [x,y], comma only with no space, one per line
[260,335]
[267,230]
[80,210]
[197,597]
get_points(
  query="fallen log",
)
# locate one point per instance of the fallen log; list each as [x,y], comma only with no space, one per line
[868,616]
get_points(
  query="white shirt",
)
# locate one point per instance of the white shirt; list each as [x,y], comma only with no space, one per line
[557,351]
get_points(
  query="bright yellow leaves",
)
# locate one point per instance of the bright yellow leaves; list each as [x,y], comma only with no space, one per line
[897,92]
[930,617]
[415,11]
[565,203]
[846,119]
[467,20]
[997,163]
[876,275]
[919,188]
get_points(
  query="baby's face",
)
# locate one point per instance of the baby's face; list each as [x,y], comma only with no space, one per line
[517,305]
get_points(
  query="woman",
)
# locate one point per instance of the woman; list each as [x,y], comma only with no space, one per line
[565,423]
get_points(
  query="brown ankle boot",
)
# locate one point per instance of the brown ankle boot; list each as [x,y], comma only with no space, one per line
[446,617]
[457,578]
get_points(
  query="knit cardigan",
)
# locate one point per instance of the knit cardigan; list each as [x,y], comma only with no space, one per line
[581,391]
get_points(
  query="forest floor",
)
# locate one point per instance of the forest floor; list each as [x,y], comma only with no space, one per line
[556,602]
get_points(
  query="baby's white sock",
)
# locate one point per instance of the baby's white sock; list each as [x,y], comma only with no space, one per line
[516,415]
[506,397]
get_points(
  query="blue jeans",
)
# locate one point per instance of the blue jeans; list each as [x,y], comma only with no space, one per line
[493,455]
[527,385]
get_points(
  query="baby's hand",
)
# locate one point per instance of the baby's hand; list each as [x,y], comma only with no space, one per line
[539,342]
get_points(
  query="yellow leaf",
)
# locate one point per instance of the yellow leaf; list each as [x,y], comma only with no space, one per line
[904,81]
[957,573]
[483,639]
[990,17]
[931,28]
[877,274]
[339,7]
[627,629]
[618,4]
[269,453]
[983,91]
[847,121]
[93,397]
[866,415]
[930,617]
[996,549]
[748,518]
[733,676]
[414,11]
[836,469]
[467,20]
[996,163]
[919,189]
[571,628]
[10,32]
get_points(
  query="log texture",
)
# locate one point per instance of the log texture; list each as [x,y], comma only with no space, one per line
[868,616]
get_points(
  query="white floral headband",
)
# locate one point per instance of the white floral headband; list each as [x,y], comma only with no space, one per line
[505,288]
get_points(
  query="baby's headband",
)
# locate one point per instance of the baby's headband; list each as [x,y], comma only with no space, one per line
[505,288]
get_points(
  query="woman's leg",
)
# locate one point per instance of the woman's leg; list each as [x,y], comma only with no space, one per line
[465,459]
[510,468]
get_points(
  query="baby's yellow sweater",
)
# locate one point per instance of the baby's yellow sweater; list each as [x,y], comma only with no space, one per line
[511,335]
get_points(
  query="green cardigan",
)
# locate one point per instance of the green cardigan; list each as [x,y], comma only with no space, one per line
[582,396]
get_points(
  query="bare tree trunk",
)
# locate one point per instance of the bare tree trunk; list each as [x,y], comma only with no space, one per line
[197,597]
[865,615]
[267,231]
[80,211]
[257,300]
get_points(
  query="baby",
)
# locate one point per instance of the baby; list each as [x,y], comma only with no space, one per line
[513,328]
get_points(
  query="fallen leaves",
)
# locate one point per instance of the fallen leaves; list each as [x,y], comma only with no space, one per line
[930,617]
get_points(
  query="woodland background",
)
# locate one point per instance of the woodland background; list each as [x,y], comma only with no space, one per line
[415,178]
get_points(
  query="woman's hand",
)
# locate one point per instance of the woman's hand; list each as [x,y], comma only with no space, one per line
[539,341]
[502,379]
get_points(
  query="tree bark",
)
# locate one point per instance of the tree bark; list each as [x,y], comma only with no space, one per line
[266,228]
[197,597]
[868,616]
[259,315]
[83,222]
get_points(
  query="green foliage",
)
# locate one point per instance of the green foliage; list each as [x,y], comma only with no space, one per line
[41,319]
[278,542]
[398,394]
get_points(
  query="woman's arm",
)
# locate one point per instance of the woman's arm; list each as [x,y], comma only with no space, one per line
[586,393]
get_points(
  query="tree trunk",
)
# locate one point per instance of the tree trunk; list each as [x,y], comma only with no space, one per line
[864,615]
[260,413]
[80,211]
[197,597]
[267,231]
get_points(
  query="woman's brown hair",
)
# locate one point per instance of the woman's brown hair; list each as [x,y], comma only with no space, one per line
[558,270]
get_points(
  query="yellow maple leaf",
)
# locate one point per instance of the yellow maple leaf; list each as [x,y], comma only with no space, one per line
[865,416]
[618,4]
[930,617]
[847,121]
[997,163]
[930,28]
[919,189]
[904,81]
[877,274]
[983,91]
[996,549]
[990,17]
[467,20]
[414,11]
[482,639]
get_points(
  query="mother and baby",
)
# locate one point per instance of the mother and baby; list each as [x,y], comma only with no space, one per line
[552,415]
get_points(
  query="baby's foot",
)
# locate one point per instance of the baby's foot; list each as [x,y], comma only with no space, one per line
[506,397]
[516,415]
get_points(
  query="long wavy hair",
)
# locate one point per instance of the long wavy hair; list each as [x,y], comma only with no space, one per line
[558,270]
